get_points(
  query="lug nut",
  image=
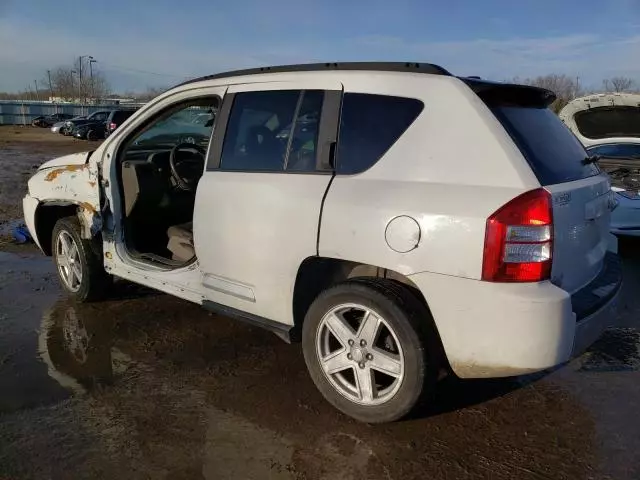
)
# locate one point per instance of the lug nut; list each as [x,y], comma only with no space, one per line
[349,356]
[363,343]
[351,342]
[361,364]
[369,356]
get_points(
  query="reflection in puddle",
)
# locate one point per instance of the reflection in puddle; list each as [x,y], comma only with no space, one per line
[77,348]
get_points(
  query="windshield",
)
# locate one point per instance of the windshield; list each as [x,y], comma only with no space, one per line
[553,152]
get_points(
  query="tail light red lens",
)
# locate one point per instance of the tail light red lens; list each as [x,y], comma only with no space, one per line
[519,240]
[112,127]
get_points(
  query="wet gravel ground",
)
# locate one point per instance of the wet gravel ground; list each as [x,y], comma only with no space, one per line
[145,385]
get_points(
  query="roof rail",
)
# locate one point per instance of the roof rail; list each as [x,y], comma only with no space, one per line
[318,67]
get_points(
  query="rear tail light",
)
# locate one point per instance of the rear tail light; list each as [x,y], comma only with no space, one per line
[112,127]
[519,240]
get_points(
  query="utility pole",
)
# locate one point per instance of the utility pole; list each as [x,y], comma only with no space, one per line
[37,92]
[80,76]
[91,62]
[50,87]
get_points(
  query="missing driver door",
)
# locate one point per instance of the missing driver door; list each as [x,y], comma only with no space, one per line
[147,195]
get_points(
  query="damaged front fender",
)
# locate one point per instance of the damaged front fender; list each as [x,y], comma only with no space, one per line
[73,184]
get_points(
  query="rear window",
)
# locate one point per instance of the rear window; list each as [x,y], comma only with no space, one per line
[369,126]
[121,116]
[606,122]
[553,152]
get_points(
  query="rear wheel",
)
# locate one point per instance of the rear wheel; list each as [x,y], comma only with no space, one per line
[92,135]
[365,346]
[79,262]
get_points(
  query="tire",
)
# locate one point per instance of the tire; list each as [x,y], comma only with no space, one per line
[89,281]
[407,324]
[92,135]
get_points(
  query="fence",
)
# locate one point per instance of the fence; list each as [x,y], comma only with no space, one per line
[22,113]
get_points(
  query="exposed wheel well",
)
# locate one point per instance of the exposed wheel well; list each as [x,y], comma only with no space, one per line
[46,217]
[318,273]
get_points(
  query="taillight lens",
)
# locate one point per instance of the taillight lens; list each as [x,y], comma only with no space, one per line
[519,240]
[112,126]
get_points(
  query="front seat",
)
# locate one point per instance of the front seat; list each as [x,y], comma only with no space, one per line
[181,242]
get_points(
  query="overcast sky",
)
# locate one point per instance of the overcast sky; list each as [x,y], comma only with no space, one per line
[140,43]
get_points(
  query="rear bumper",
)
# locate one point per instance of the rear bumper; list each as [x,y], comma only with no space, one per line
[500,330]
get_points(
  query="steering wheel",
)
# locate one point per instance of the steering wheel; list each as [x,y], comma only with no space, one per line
[187,171]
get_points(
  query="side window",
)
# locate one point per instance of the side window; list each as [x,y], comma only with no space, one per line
[176,126]
[99,116]
[369,126]
[273,131]
[251,141]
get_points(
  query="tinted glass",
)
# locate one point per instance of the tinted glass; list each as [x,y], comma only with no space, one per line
[369,126]
[303,146]
[121,116]
[553,152]
[605,122]
[253,140]
[98,116]
[616,150]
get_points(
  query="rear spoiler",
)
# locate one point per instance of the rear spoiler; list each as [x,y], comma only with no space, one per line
[496,93]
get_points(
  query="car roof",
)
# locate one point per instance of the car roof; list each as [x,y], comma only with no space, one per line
[409,67]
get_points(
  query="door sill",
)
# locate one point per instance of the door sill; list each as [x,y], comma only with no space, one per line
[285,332]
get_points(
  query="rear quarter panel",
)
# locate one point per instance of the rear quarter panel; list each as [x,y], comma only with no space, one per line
[450,170]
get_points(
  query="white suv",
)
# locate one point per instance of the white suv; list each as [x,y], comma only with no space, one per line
[401,221]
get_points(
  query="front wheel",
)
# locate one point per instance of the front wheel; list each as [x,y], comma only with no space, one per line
[365,346]
[79,262]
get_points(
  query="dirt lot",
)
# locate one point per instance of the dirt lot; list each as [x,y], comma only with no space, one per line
[148,386]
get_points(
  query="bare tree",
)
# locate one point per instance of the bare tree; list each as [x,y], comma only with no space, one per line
[566,88]
[67,84]
[618,84]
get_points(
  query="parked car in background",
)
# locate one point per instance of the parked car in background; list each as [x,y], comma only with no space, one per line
[49,120]
[61,126]
[400,221]
[90,131]
[116,118]
[99,116]
[608,125]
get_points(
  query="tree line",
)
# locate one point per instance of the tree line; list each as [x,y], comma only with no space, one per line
[67,83]
[77,83]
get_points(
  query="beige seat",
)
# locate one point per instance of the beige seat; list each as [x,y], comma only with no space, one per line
[181,242]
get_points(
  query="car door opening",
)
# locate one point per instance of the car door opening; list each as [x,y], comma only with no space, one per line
[160,166]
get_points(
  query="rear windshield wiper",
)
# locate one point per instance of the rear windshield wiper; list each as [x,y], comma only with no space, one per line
[591,159]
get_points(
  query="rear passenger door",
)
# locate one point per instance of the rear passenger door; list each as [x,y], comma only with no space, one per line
[258,203]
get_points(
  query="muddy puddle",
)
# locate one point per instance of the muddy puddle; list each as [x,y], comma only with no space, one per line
[171,391]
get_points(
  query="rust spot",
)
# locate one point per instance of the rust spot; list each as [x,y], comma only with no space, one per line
[92,184]
[88,206]
[53,174]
